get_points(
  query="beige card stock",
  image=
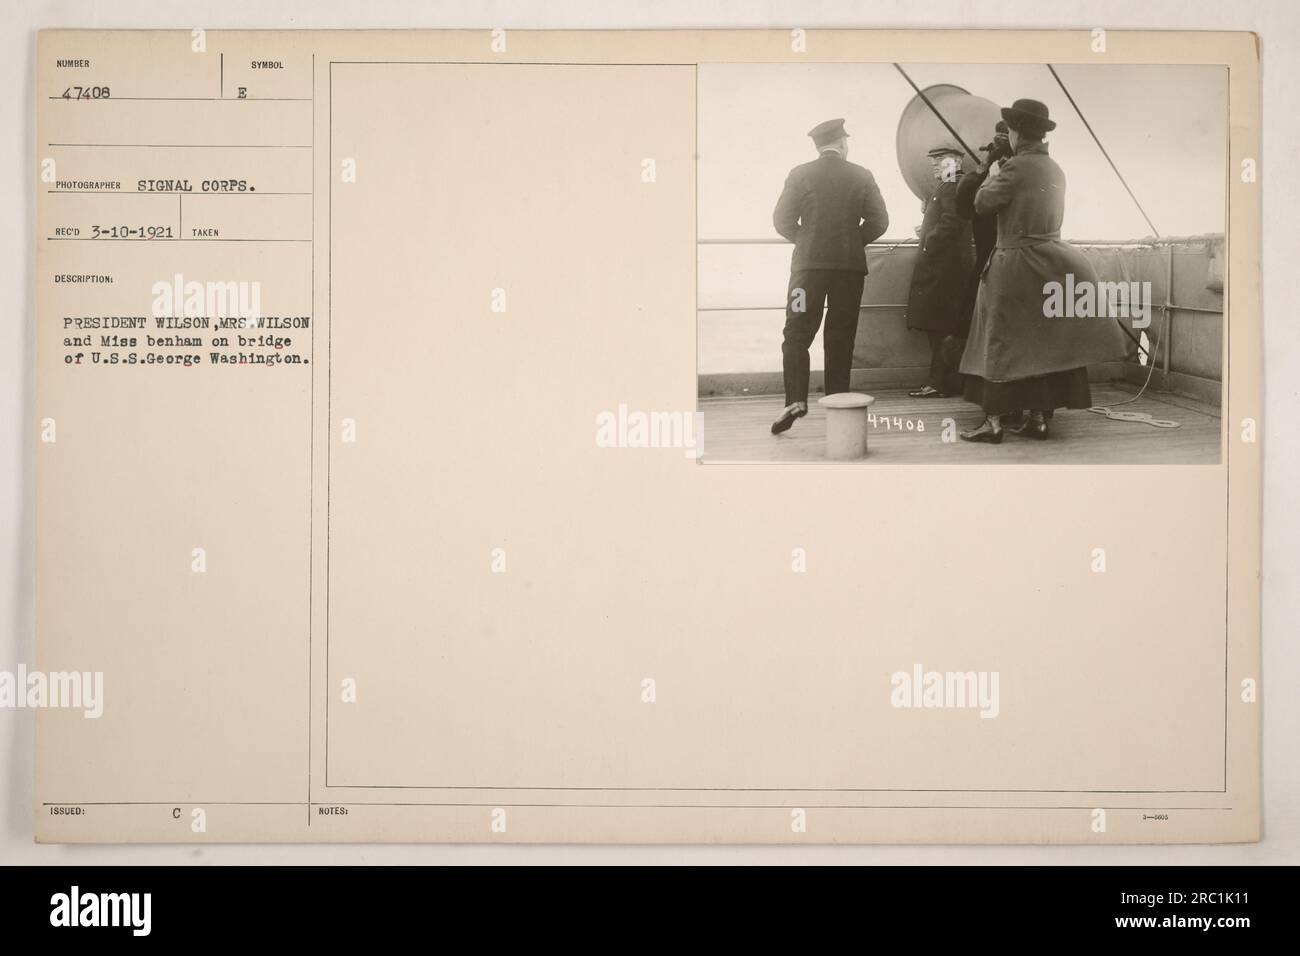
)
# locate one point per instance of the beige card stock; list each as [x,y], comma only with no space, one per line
[405,471]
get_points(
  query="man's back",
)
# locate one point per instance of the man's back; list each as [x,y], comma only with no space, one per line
[830,209]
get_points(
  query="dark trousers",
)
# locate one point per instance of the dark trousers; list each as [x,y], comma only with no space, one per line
[839,292]
[942,377]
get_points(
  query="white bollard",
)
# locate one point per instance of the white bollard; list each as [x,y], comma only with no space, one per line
[846,425]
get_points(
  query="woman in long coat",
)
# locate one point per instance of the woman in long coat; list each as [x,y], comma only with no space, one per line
[1018,357]
[944,259]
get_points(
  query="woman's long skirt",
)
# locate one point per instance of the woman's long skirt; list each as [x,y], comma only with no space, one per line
[1042,393]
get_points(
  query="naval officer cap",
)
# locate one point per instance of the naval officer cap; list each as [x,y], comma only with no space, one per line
[944,151]
[828,132]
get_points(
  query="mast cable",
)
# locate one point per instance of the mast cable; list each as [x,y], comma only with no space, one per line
[1151,358]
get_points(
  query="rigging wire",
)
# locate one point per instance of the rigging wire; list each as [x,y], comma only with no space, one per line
[1151,353]
[935,110]
[1056,76]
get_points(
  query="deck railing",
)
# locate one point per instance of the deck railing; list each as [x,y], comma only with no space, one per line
[1185,335]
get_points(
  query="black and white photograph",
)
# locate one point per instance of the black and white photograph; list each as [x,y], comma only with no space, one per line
[957,263]
[441,434]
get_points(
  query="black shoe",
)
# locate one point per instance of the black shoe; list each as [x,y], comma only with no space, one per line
[925,391]
[1035,428]
[1033,425]
[788,415]
[985,433]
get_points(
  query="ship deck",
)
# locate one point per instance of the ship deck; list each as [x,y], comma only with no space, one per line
[737,429]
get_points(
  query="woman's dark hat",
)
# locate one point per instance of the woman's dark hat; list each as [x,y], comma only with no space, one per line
[1030,112]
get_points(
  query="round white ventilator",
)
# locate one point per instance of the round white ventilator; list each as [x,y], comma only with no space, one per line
[846,425]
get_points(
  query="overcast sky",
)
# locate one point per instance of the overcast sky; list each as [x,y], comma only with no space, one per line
[1165,127]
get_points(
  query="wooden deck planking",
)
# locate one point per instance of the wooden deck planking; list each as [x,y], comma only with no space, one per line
[737,429]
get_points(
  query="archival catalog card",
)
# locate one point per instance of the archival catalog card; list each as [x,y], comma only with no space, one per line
[703,436]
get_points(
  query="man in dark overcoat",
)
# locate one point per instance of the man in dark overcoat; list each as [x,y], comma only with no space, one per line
[985,229]
[944,257]
[831,210]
